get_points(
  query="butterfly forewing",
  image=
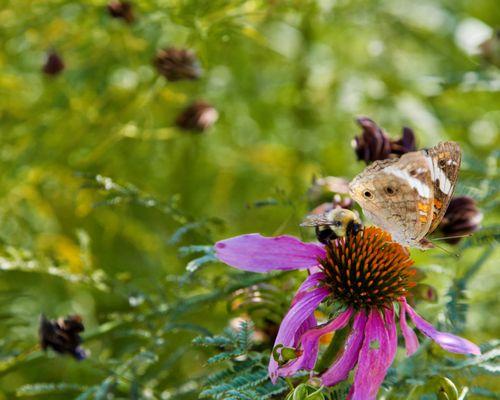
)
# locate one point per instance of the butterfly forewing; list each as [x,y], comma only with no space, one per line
[444,162]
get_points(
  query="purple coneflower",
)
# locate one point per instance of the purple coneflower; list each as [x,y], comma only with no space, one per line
[367,274]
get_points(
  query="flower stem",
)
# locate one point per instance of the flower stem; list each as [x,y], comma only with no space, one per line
[333,349]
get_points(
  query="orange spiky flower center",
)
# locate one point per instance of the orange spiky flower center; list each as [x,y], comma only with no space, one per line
[367,269]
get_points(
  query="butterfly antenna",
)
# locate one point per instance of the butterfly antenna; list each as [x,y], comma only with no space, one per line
[453,237]
[445,250]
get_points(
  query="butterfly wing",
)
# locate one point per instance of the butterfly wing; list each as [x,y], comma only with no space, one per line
[396,194]
[444,163]
[316,220]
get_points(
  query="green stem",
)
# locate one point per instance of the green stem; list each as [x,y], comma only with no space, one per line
[333,349]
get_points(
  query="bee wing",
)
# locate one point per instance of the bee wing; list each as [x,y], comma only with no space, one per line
[316,220]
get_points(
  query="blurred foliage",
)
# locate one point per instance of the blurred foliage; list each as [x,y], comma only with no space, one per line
[103,201]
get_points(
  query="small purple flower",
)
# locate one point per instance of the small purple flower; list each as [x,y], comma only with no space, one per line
[366,273]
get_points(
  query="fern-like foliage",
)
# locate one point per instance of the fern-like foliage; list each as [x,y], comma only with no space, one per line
[114,194]
[457,304]
[244,375]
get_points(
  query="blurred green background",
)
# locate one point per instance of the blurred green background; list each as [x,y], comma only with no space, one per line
[288,79]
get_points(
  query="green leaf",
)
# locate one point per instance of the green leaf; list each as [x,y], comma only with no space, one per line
[38,389]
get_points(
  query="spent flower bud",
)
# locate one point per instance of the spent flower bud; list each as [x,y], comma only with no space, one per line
[121,9]
[177,64]
[54,64]
[373,144]
[461,219]
[197,117]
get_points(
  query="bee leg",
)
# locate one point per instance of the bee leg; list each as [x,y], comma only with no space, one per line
[324,234]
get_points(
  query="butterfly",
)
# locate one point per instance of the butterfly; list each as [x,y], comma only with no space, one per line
[408,196]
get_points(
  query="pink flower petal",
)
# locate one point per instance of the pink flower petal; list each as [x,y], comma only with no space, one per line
[309,342]
[315,269]
[375,358]
[309,323]
[340,369]
[411,340]
[257,253]
[300,311]
[390,326]
[447,341]
[311,281]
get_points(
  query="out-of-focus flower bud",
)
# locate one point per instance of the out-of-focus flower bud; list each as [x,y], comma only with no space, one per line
[445,388]
[461,219]
[490,49]
[421,291]
[198,117]
[373,143]
[338,201]
[121,9]
[324,189]
[54,64]
[177,64]
[62,335]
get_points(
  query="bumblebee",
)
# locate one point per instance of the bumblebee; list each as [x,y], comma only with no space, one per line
[333,224]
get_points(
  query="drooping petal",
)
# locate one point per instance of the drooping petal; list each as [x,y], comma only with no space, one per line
[340,369]
[310,322]
[311,281]
[257,253]
[375,358]
[390,326]
[297,314]
[309,344]
[411,340]
[447,341]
